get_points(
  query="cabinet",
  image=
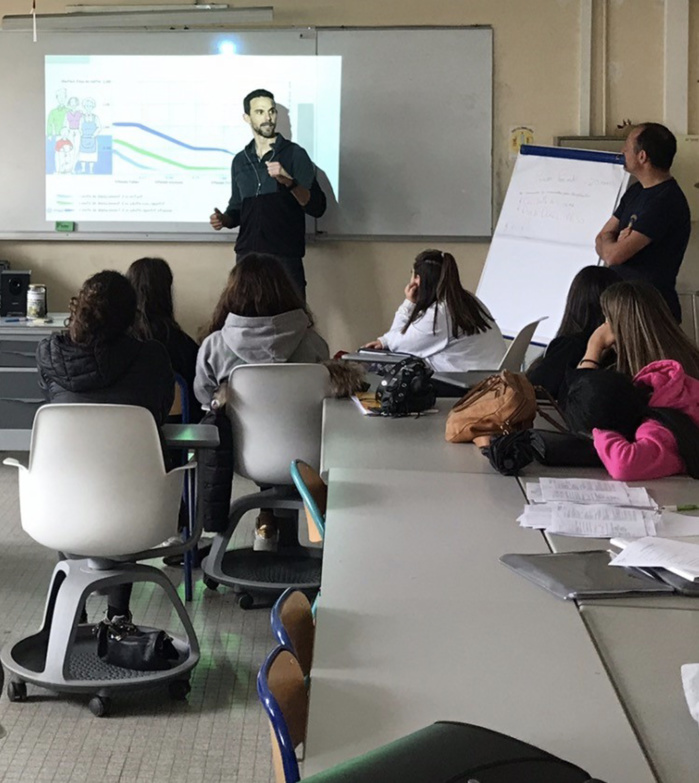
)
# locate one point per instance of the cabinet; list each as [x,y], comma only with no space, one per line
[20,395]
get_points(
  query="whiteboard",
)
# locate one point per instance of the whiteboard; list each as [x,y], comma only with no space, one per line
[415,128]
[556,203]
[416,132]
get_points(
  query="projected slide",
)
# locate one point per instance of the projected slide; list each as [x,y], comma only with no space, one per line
[151,138]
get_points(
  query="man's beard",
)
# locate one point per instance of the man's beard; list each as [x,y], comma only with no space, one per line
[266,130]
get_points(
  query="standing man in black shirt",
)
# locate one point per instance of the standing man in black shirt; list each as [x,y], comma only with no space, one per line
[274,186]
[647,236]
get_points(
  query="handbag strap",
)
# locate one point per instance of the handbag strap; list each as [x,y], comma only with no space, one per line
[540,390]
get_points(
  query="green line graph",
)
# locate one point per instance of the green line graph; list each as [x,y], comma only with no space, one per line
[141,151]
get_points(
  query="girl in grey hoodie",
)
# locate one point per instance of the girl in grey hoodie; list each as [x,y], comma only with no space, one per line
[259,319]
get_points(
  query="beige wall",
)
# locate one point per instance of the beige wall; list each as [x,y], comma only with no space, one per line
[355,286]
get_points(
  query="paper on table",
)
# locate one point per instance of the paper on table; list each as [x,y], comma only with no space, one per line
[533,492]
[677,556]
[690,683]
[537,516]
[599,521]
[674,525]
[584,491]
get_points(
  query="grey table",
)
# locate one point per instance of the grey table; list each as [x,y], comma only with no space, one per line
[351,440]
[417,621]
[643,641]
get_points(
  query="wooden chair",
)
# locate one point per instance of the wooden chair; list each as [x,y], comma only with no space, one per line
[282,690]
[293,626]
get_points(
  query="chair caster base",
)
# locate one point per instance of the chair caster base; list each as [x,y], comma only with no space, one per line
[210,584]
[17,691]
[100,706]
[179,690]
[246,601]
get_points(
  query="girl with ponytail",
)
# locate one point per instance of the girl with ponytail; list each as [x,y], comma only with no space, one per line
[442,322]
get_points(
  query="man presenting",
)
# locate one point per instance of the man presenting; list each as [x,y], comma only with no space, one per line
[646,237]
[273,188]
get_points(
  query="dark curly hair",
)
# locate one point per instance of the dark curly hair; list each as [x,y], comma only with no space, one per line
[104,309]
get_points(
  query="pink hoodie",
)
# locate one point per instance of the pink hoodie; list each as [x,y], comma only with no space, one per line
[653,453]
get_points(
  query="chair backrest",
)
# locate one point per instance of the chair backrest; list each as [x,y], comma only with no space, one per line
[283,693]
[314,493]
[96,484]
[514,356]
[293,626]
[276,414]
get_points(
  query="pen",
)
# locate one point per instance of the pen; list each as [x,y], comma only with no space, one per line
[683,507]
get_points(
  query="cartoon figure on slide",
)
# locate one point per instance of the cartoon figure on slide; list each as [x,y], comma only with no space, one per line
[89,129]
[57,116]
[64,152]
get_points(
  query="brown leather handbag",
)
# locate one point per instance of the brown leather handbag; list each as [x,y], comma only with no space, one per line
[499,405]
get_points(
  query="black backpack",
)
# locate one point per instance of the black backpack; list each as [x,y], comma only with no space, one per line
[406,388]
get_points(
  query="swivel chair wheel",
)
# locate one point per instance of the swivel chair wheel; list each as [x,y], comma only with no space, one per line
[100,706]
[245,601]
[210,584]
[17,691]
[179,689]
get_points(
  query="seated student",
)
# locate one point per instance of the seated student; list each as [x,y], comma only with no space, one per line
[152,281]
[641,329]
[97,360]
[442,322]
[644,428]
[582,315]
[259,319]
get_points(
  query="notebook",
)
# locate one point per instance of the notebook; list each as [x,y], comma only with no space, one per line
[571,575]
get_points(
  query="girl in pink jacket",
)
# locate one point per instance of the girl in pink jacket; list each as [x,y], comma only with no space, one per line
[644,428]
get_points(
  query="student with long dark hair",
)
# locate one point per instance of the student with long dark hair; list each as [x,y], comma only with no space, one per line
[441,321]
[98,360]
[152,281]
[258,319]
[642,428]
[582,315]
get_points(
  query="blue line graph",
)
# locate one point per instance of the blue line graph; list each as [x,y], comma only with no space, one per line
[155,132]
[118,154]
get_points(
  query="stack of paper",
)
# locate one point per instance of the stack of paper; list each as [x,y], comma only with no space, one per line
[590,508]
[680,557]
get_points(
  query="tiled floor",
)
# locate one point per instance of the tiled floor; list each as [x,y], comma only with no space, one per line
[220,734]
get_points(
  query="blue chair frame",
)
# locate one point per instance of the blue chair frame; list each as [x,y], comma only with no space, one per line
[276,717]
[188,495]
[307,498]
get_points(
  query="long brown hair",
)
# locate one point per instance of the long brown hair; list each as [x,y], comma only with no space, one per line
[644,328]
[104,309]
[257,287]
[152,281]
[440,282]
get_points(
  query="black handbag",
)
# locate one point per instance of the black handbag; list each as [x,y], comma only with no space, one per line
[406,388]
[124,644]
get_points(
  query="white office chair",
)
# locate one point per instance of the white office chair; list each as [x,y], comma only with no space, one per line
[514,356]
[276,415]
[96,488]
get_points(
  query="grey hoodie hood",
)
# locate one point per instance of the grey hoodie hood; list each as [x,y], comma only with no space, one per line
[265,339]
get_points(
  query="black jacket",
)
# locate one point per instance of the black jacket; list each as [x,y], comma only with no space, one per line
[124,371]
[556,367]
[182,351]
[270,218]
